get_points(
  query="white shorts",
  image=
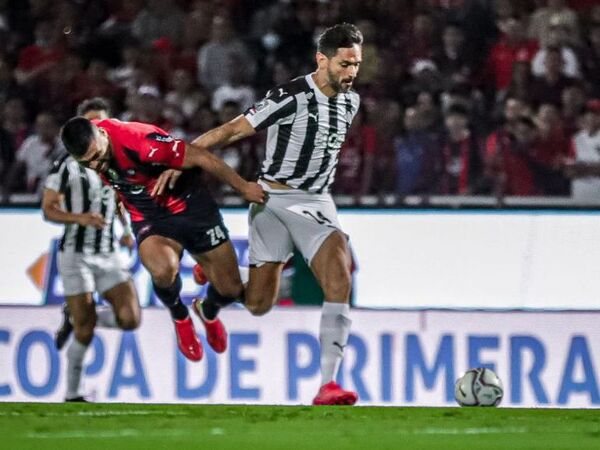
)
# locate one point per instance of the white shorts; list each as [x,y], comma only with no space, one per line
[83,273]
[291,217]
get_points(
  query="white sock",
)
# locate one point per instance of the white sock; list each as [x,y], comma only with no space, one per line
[333,335]
[106,318]
[75,355]
[244,274]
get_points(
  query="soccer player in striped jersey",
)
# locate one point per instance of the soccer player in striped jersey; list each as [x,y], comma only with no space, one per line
[307,121]
[88,260]
[132,157]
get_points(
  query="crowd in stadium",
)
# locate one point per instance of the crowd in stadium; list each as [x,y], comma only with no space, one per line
[467,97]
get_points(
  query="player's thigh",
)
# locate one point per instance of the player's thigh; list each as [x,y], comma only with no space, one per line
[220,265]
[160,256]
[125,304]
[332,269]
[263,286]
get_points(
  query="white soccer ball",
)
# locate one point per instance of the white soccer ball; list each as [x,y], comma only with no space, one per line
[479,387]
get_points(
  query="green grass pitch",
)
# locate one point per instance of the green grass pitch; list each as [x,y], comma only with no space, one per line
[177,427]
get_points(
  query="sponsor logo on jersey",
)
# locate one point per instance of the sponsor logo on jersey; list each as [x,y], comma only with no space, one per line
[160,137]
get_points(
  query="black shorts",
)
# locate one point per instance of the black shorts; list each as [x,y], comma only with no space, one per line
[197,234]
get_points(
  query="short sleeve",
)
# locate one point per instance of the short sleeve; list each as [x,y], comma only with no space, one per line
[58,177]
[278,107]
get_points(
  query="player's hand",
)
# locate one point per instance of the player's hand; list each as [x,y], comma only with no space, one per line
[95,220]
[166,179]
[254,193]
[128,241]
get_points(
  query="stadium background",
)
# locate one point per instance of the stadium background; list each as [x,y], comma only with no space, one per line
[470,268]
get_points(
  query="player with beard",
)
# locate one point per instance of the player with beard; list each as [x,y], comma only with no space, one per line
[307,121]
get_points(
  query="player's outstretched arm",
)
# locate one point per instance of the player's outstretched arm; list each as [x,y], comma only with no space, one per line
[53,212]
[229,132]
[196,156]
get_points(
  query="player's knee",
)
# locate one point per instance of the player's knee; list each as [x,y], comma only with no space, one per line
[129,320]
[338,286]
[164,276]
[259,309]
[84,334]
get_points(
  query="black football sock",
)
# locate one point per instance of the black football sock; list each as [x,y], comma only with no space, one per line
[214,302]
[170,298]
[210,309]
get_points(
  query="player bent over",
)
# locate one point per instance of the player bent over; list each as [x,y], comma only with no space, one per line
[88,260]
[307,121]
[132,157]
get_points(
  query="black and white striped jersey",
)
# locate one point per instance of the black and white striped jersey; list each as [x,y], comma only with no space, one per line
[306,130]
[83,191]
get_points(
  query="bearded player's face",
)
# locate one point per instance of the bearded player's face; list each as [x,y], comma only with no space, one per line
[342,68]
[97,156]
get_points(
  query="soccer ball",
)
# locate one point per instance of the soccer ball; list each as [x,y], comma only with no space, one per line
[478,387]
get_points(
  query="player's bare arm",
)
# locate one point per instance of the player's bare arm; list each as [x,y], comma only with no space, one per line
[229,132]
[53,212]
[196,156]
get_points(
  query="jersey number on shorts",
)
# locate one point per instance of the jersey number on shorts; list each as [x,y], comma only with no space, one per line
[320,218]
[216,235]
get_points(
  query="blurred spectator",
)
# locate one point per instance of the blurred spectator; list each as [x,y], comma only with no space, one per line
[548,87]
[159,19]
[520,83]
[591,59]
[476,19]
[461,166]
[354,172]
[421,41]
[573,102]
[94,82]
[549,151]
[385,116]
[513,46]
[124,75]
[237,90]
[417,156]
[509,162]
[455,59]
[203,120]
[35,157]
[500,140]
[184,99]
[147,107]
[584,167]
[558,38]
[38,58]
[426,78]
[371,52]
[224,54]
[12,134]
[555,11]
[8,87]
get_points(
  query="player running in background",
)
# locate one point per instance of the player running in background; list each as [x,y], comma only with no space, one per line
[132,157]
[88,259]
[307,121]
